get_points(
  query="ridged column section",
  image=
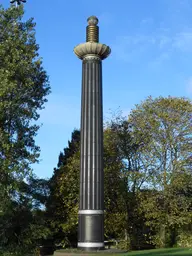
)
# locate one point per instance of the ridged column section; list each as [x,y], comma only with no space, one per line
[91,221]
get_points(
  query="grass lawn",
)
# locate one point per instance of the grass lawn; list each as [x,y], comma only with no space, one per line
[156,252]
[162,252]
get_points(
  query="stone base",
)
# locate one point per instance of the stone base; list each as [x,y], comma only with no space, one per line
[66,252]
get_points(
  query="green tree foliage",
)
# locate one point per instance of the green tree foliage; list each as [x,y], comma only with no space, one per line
[114,202]
[69,190]
[22,227]
[63,202]
[147,176]
[64,192]
[166,126]
[23,89]
[123,181]
[24,86]
[62,206]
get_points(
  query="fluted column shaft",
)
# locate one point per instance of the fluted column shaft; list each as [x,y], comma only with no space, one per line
[91,221]
[91,175]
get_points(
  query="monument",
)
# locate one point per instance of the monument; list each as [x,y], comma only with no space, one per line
[91,207]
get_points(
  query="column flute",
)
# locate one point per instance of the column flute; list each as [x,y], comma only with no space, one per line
[91,219]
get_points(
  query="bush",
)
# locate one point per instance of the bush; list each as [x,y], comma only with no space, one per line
[124,245]
[184,240]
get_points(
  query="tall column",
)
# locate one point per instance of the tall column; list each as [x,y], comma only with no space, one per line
[91,220]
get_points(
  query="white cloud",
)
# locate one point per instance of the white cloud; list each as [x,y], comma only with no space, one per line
[158,47]
[131,48]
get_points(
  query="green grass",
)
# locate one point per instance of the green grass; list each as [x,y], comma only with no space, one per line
[162,252]
[156,252]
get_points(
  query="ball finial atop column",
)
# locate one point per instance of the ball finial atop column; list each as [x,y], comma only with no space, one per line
[92,20]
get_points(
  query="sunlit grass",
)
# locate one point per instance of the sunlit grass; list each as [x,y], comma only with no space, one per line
[162,252]
[155,252]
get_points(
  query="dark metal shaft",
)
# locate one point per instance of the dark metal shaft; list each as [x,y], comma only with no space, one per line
[91,220]
[91,176]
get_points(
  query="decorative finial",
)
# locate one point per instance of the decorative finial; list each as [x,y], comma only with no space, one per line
[92,20]
[92,48]
[92,30]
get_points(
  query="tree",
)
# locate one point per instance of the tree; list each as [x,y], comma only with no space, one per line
[123,180]
[22,227]
[69,192]
[24,86]
[63,185]
[63,203]
[73,147]
[165,125]
[121,184]
[115,210]
[147,196]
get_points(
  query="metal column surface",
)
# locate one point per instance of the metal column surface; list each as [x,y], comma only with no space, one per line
[91,222]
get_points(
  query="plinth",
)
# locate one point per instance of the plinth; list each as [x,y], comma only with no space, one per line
[91,218]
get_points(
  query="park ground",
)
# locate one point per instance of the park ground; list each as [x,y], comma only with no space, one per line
[162,252]
[156,252]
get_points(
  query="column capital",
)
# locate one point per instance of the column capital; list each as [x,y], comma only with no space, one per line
[92,50]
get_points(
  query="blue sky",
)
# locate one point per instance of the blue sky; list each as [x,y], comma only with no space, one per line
[151,42]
